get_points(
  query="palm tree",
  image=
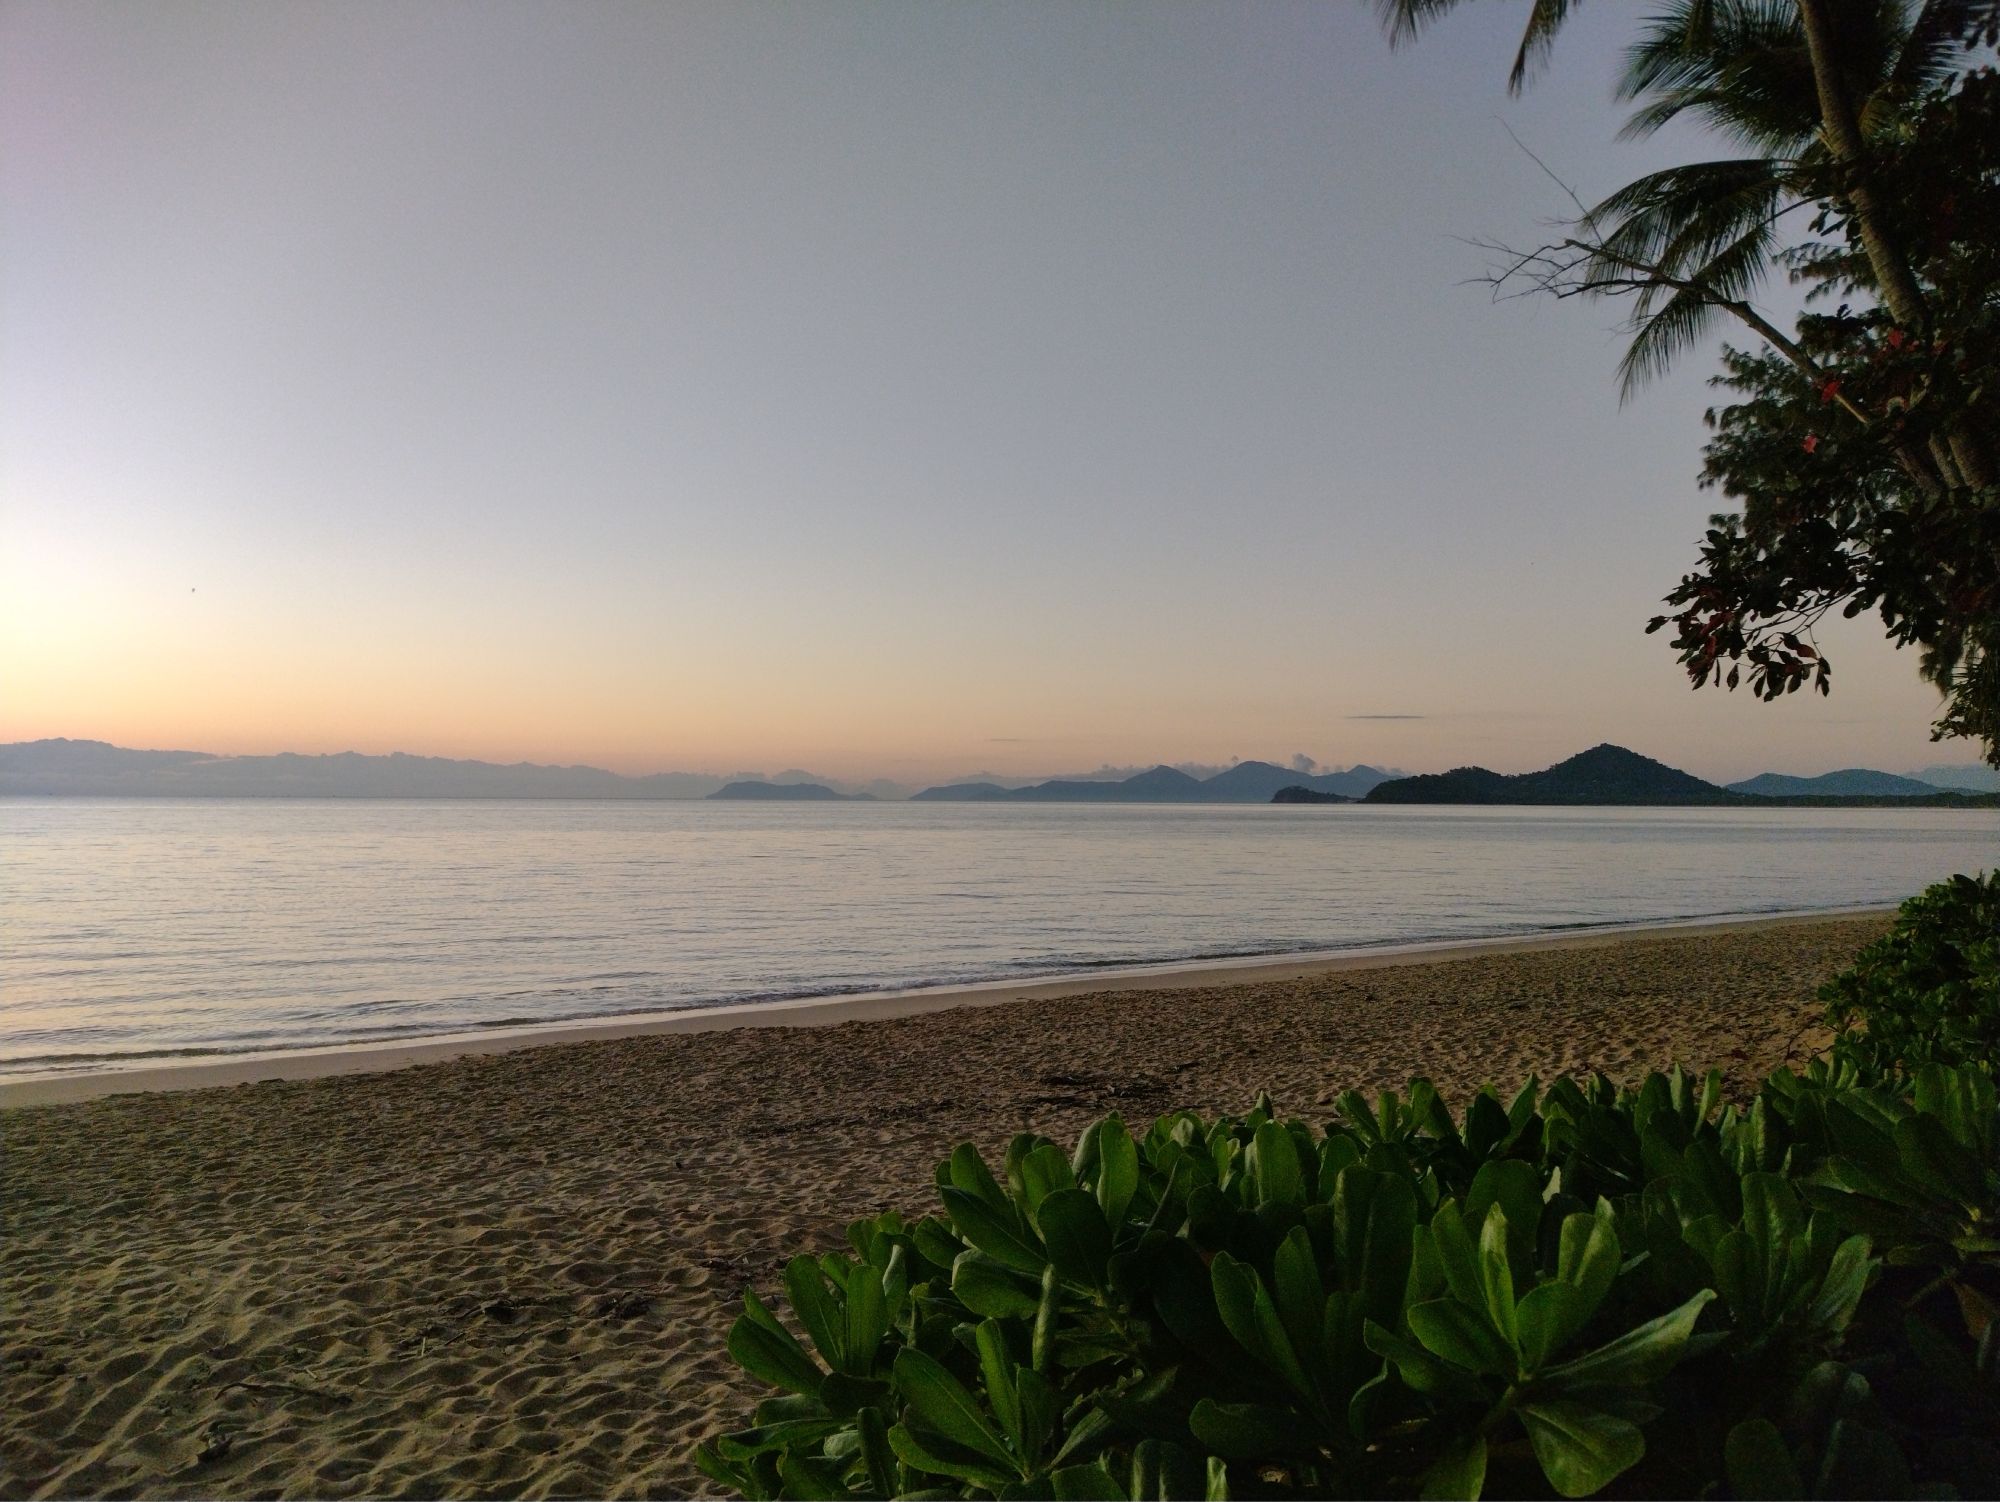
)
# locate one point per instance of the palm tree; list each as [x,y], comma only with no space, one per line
[1803,86]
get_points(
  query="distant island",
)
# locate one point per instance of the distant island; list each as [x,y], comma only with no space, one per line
[1851,782]
[787,792]
[1297,794]
[60,767]
[1611,776]
[1246,782]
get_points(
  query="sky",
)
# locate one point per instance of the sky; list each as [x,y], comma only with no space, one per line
[886,389]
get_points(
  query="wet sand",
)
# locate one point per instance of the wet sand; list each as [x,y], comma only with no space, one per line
[511,1273]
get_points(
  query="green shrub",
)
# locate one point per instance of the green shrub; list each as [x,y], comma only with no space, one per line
[1582,1286]
[1928,991]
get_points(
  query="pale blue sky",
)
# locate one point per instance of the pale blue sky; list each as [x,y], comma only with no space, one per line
[888,389]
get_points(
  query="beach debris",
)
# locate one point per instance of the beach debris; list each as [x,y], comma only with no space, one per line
[501,1310]
[626,1305]
[218,1442]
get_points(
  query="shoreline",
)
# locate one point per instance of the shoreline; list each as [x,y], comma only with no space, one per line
[219,1071]
[515,1275]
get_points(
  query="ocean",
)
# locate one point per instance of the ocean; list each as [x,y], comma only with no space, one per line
[144,930]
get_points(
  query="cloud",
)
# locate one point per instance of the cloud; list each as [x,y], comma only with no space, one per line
[1303,763]
[1388,717]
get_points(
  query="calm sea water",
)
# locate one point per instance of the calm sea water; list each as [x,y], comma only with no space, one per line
[131,930]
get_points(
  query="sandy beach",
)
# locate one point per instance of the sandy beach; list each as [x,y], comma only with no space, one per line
[511,1273]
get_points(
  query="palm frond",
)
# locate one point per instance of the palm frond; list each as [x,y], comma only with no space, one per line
[1686,243]
[1668,321]
[1739,66]
[1545,19]
[1681,216]
[1403,19]
[1932,49]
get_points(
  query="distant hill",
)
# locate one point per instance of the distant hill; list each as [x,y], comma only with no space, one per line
[1602,775]
[1852,782]
[1296,794]
[1246,782]
[1971,779]
[787,792]
[95,768]
[1611,776]
[964,792]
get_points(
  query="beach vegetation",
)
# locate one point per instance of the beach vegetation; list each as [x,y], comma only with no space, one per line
[1583,1286]
[1928,991]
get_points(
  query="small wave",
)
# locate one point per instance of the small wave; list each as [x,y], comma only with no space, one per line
[592,999]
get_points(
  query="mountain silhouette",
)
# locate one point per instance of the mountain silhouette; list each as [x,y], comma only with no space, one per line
[1611,775]
[1847,783]
[1297,794]
[1604,774]
[1246,782]
[786,792]
[95,768]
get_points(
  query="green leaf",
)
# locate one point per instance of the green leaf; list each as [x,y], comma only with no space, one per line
[996,1370]
[1117,1171]
[1083,1162]
[920,1455]
[1932,1157]
[745,1443]
[1589,1256]
[1048,1310]
[809,1478]
[1638,1356]
[968,1174]
[1218,1480]
[1163,1471]
[1459,1473]
[1078,1240]
[1457,1253]
[995,1233]
[1085,1483]
[1840,1291]
[941,1401]
[935,1243]
[867,1320]
[805,1290]
[1040,1406]
[1517,1189]
[1249,1314]
[1496,1274]
[1043,1172]
[1246,1431]
[877,1459]
[1301,1300]
[735,1479]
[1374,1217]
[1274,1166]
[1461,1335]
[1759,1466]
[766,1350]
[1087,1435]
[990,1288]
[1581,1449]
[1548,1319]
[1420,1371]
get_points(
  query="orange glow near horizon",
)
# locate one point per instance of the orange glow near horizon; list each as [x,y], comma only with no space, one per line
[724,388]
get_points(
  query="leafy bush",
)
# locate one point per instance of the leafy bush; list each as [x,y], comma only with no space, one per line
[1928,991]
[1581,1286]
